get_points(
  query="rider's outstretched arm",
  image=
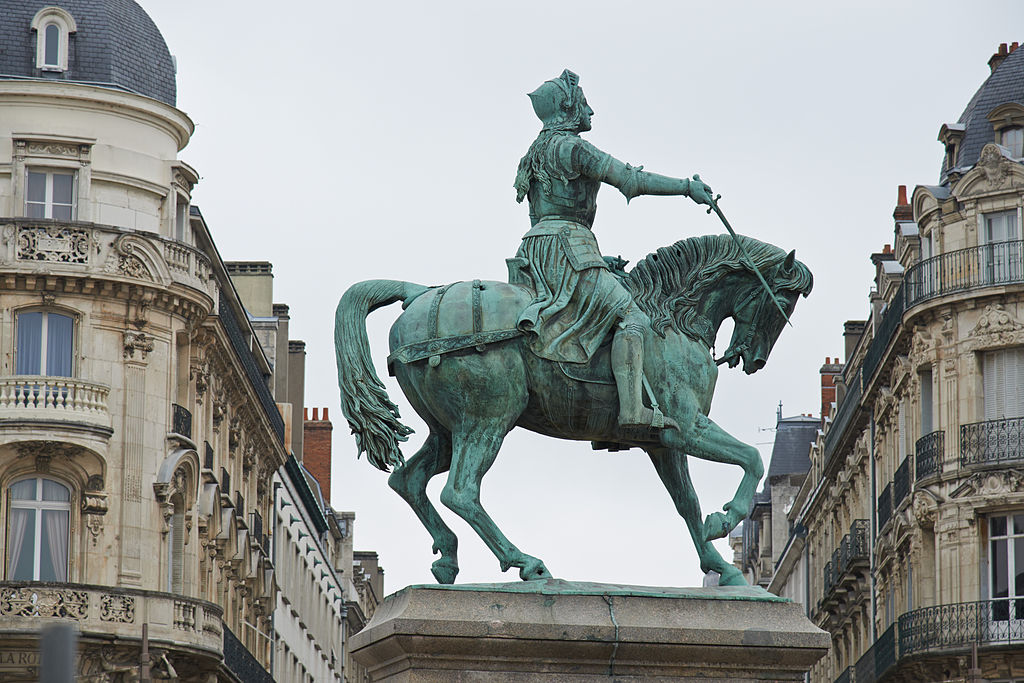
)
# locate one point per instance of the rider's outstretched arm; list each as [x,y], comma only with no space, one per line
[634,181]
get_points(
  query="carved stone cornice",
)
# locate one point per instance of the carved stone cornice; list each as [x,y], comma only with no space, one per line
[996,328]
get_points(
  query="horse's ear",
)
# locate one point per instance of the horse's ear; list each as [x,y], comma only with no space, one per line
[790,260]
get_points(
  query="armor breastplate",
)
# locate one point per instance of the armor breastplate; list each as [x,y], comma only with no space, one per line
[574,200]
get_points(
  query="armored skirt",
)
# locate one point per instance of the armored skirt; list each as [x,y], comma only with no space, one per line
[578,299]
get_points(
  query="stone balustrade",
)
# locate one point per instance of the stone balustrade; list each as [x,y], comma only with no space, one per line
[33,397]
[106,612]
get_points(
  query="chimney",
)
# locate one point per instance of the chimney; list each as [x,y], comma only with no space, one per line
[829,371]
[316,446]
[852,331]
[995,60]
[902,212]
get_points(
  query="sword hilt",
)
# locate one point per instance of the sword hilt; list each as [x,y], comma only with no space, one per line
[714,200]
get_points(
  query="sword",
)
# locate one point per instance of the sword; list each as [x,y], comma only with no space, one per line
[750,262]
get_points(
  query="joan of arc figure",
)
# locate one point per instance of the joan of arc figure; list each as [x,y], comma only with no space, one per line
[578,299]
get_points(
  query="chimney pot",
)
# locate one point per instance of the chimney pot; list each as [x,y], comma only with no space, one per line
[1014,46]
[305,414]
[325,414]
[902,200]
[885,250]
[1002,48]
[316,414]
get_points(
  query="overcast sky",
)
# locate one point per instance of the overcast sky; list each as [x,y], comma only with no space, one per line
[348,141]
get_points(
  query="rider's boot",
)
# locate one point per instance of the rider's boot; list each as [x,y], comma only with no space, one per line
[628,368]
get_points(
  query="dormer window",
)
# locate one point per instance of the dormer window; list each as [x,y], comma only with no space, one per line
[1012,139]
[53,26]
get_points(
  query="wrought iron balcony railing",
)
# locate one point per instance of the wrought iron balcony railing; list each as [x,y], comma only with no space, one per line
[884,506]
[181,421]
[854,548]
[846,676]
[844,414]
[884,333]
[961,625]
[901,483]
[992,442]
[929,452]
[999,263]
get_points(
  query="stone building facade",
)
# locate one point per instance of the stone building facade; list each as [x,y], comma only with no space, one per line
[913,510]
[146,391]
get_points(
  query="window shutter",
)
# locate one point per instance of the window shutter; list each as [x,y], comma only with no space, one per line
[1003,379]
[926,403]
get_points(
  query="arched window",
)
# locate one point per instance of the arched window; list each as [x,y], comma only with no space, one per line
[44,345]
[52,25]
[37,534]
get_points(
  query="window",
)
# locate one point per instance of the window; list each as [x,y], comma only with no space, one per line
[1002,377]
[176,548]
[1012,138]
[37,546]
[50,194]
[181,218]
[1006,566]
[44,344]
[1001,247]
[926,403]
[53,27]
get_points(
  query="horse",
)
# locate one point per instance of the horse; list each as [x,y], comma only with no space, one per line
[471,376]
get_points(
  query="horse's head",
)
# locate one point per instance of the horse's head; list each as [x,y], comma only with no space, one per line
[757,319]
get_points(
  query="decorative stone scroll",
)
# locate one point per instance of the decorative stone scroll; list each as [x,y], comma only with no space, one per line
[53,244]
[996,328]
[137,341]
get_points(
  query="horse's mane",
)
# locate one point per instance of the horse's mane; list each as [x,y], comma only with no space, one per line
[668,284]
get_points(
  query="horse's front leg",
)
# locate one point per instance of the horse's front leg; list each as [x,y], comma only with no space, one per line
[675,474]
[704,439]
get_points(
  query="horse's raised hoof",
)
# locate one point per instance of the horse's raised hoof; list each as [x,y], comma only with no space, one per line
[445,570]
[534,569]
[716,526]
[731,576]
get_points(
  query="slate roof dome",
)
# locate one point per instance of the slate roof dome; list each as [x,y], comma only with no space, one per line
[115,45]
[1005,84]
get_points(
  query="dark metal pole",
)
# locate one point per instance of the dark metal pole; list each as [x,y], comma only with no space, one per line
[58,649]
[144,662]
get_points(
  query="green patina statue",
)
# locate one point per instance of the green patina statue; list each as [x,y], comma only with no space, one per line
[570,346]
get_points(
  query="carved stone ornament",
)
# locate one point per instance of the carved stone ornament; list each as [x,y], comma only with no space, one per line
[44,602]
[234,435]
[900,370]
[45,451]
[125,261]
[53,244]
[117,608]
[199,372]
[922,348]
[994,166]
[924,508]
[137,341]
[996,328]
[992,484]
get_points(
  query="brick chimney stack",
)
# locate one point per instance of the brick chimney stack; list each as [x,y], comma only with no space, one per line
[903,210]
[1001,53]
[316,448]
[829,371]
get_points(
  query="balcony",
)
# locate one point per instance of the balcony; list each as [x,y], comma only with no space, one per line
[240,661]
[958,271]
[962,625]
[64,399]
[181,421]
[885,506]
[846,676]
[901,483]
[845,569]
[884,333]
[929,452]
[992,442]
[112,613]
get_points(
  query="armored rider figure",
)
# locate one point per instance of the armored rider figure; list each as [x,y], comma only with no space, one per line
[579,300]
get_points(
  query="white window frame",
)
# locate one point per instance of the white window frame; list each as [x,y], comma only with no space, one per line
[1002,371]
[44,334]
[1014,602]
[1015,147]
[48,202]
[181,218]
[39,506]
[65,23]
[1001,262]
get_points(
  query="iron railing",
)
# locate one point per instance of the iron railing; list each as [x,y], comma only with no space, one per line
[854,548]
[208,457]
[998,263]
[961,625]
[885,506]
[901,483]
[884,333]
[929,452]
[256,378]
[241,662]
[225,482]
[846,676]
[992,442]
[885,651]
[828,578]
[864,669]
[181,420]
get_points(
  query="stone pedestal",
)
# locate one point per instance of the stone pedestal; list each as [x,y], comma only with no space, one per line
[553,630]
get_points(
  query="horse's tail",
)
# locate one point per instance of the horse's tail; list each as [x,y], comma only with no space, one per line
[371,415]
